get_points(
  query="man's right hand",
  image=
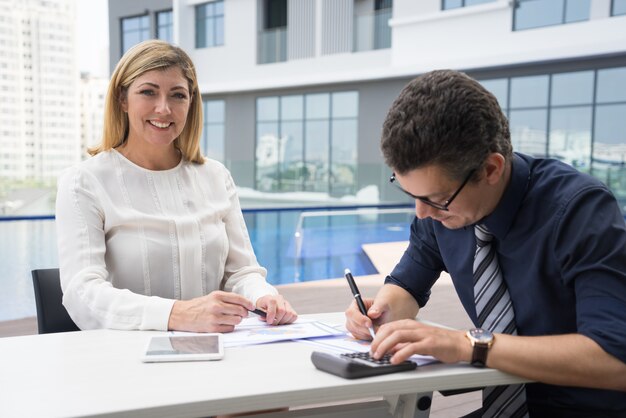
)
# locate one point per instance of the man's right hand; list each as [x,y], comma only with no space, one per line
[379,311]
[218,311]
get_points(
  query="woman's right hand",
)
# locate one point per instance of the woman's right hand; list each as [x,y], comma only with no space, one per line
[218,311]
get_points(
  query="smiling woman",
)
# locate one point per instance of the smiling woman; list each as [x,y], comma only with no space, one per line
[151,233]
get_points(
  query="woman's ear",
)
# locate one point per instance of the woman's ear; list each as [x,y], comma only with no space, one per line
[123,99]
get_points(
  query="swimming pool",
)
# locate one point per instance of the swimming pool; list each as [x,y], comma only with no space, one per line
[328,241]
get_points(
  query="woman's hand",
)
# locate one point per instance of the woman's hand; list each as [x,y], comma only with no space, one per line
[216,312]
[278,310]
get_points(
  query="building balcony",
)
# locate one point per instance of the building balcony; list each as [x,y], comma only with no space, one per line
[272,45]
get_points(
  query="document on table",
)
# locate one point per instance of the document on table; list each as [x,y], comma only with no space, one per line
[346,343]
[253,331]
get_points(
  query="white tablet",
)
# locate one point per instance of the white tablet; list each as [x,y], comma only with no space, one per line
[184,348]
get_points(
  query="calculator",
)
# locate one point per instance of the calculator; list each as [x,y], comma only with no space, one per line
[358,364]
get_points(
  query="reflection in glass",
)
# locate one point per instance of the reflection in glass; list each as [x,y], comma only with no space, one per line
[290,155]
[619,8]
[316,156]
[577,10]
[317,106]
[572,88]
[528,131]
[134,30]
[300,147]
[165,26]
[345,105]
[529,91]
[611,85]
[267,156]
[570,136]
[267,109]
[212,141]
[210,24]
[609,150]
[344,155]
[451,4]
[536,13]
[291,107]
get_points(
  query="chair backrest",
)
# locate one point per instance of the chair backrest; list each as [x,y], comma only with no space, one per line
[51,314]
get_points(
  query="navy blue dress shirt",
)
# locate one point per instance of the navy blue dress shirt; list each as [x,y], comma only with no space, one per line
[561,243]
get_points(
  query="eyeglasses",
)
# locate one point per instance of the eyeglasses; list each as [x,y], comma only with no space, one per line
[441,206]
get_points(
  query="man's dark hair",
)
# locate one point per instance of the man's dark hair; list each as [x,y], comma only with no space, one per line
[445,118]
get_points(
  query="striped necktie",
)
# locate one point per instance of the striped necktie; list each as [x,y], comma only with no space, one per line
[495,313]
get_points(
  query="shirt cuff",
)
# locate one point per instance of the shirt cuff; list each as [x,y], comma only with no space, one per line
[156,315]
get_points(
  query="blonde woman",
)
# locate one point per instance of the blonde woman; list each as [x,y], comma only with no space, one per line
[150,233]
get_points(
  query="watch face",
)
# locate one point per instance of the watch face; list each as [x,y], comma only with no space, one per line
[481,335]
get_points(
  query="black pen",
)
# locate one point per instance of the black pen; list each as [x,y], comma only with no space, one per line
[258,312]
[357,297]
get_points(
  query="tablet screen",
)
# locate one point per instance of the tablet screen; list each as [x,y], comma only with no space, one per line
[184,347]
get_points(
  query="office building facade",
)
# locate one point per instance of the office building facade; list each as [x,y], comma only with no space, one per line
[39,108]
[296,91]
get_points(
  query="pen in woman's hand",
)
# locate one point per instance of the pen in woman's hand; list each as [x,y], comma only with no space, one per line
[357,297]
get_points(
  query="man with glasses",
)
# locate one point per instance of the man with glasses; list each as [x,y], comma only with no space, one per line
[536,251]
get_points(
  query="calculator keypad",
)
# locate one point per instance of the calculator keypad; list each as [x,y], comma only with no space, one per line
[366,358]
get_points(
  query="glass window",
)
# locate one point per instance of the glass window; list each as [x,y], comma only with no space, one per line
[212,142]
[345,105]
[454,4]
[307,143]
[530,14]
[618,8]
[500,89]
[611,85]
[317,106]
[577,10]
[134,30]
[210,24]
[165,26]
[609,149]
[572,88]
[275,14]
[267,109]
[291,107]
[528,131]
[316,155]
[291,144]
[570,136]
[577,123]
[529,91]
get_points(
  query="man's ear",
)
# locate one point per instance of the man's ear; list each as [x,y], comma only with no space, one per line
[494,167]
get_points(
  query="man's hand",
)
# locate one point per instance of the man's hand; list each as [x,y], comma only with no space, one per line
[216,312]
[408,336]
[379,311]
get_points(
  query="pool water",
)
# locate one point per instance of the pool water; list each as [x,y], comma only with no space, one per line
[326,244]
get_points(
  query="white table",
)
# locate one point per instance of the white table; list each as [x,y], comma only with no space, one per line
[99,373]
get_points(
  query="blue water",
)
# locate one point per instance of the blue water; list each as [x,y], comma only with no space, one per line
[328,245]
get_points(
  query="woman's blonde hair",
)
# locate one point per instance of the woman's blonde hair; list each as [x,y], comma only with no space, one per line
[141,58]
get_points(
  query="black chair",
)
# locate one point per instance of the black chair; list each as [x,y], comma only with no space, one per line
[51,314]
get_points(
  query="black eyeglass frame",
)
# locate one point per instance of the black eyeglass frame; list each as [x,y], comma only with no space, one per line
[440,206]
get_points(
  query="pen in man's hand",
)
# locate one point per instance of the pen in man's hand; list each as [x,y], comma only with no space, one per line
[357,297]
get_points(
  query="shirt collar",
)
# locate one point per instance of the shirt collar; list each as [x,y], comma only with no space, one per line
[500,220]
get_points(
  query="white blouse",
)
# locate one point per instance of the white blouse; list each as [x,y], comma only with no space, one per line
[132,241]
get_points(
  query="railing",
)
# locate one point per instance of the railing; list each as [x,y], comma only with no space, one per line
[372,31]
[272,46]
